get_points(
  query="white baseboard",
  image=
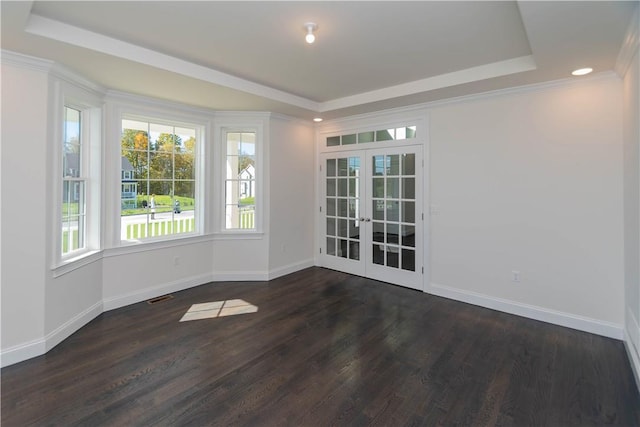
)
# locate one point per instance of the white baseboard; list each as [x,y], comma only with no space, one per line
[155,291]
[39,347]
[568,320]
[240,276]
[291,268]
[65,330]
[631,344]
[21,352]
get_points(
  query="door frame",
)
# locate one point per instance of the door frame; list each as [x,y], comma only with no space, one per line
[363,267]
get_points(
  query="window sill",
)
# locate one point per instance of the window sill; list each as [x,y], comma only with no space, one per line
[71,264]
[133,246]
[238,235]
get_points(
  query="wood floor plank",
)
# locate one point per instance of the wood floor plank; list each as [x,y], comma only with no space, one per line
[324,348]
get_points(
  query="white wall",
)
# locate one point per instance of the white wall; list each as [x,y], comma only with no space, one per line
[130,277]
[24,212]
[531,181]
[632,199]
[41,307]
[292,199]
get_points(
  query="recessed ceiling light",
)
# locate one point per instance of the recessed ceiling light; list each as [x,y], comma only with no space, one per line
[317,119]
[581,71]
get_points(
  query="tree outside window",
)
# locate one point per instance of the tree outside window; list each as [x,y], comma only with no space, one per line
[157,179]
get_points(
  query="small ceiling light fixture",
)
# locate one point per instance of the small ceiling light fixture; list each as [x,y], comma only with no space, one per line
[317,119]
[581,71]
[310,27]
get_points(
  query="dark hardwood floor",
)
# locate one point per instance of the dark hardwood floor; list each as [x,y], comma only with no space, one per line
[325,348]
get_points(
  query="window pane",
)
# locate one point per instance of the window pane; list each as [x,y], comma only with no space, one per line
[331,187]
[365,137]
[408,188]
[349,139]
[393,188]
[409,164]
[354,250]
[73,206]
[393,164]
[331,167]
[342,187]
[73,216]
[408,259]
[332,141]
[157,179]
[331,226]
[384,135]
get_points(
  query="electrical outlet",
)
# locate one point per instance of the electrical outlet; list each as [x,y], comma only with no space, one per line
[515,276]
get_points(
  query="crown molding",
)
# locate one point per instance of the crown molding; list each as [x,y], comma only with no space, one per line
[416,108]
[630,46]
[76,36]
[25,61]
[65,74]
[156,103]
[474,74]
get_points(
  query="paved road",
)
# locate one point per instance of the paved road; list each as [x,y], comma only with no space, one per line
[141,219]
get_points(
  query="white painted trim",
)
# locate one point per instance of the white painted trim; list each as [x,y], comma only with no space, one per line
[75,263]
[22,352]
[568,320]
[474,74]
[630,45]
[154,291]
[186,112]
[240,276]
[135,246]
[631,345]
[39,347]
[341,122]
[78,80]
[291,268]
[65,330]
[25,61]
[76,36]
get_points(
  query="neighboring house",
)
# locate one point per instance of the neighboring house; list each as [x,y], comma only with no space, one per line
[71,166]
[129,186]
[247,178]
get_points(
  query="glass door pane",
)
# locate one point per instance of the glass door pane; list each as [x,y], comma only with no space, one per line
[342,210]
[395,212]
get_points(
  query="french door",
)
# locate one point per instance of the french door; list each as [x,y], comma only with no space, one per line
[371,214]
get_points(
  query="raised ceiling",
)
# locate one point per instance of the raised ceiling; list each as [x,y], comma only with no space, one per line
[368,55]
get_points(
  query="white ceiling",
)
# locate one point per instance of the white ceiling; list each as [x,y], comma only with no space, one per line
[368,55]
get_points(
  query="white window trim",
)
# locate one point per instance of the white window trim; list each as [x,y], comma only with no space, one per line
[123,106]
[239,122]
[89,103]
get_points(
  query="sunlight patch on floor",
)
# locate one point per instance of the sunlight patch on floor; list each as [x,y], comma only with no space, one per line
[209,310]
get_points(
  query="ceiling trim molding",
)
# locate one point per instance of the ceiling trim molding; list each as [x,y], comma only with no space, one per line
[131,99]
[25,61]
[482,72]
[70,34]
[630,46]
[61,72]
[426,106]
